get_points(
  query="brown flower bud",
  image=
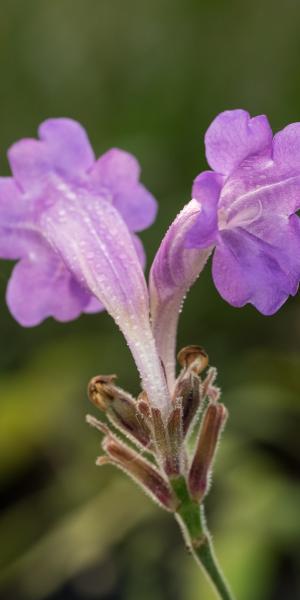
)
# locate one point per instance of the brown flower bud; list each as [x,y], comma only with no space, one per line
[120,407]
[160,435]
[194,358]
[141,470]
[211,428]
[175,435]
[188,392]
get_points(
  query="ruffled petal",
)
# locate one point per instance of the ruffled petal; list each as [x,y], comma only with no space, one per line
[206,190]
[136,205]
[115,168]
[17,242]
[64,149]
[286,147]
[18,234]
[233,136]
[95,244]
[30,163]
[68,145]
[40,286]
[248,269]
[93,306]
[264,184]
[13,207]
[118,171]
[174,270]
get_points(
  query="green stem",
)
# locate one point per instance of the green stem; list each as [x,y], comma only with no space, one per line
[190,517]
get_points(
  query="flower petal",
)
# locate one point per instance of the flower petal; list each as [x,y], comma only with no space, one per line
[30,163]
[94,306]
[13,208]
[206,190]
[174,270]
[40,287]
[18,234]
[118,171]
[114,168]
[263,183]
[286,147]
[68,145]
[249,269]
[95,244]
[233,136]
[64,149]
[137,206]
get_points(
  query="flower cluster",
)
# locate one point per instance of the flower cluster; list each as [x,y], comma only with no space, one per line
[71,221]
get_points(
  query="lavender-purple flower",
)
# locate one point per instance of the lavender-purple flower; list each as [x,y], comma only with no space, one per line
[245,209]
[70,219]
[248,210]
[60,169]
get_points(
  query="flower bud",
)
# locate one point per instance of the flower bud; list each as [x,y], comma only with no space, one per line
[211,428]
[120,407]
[194,358]
[188,392]
[175,435]
[141,470]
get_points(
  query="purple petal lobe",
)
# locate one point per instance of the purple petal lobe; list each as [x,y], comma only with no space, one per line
[30,163]
[246,268]
[114,168]
[234,136]
[13,208]
[68,145]
[174,270]
[286,147]
[118,171]
[41,286]
[206,190]
[93,306]
[64,149]
[136,205]
[260,182]
[18,234]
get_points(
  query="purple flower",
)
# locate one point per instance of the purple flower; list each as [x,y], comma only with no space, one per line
[60,170]
[245,209]
[69,220]
[174,270]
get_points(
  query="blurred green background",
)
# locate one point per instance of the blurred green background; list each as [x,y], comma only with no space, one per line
[148,77]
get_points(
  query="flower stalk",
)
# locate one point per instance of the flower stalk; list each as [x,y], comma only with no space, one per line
[155,453]
[190,517]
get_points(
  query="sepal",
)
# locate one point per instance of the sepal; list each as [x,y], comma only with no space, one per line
[139,469]
[193,360]
[211,428]
[120,408]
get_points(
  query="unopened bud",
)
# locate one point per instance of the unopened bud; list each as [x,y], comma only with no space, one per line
[188,392]
[212,425]
[143,408]
[141,470]
[168,439]
[193,357]
[101,390]
[175,435]
[120,407]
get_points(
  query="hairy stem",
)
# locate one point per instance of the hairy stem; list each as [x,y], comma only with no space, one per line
[190,517]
